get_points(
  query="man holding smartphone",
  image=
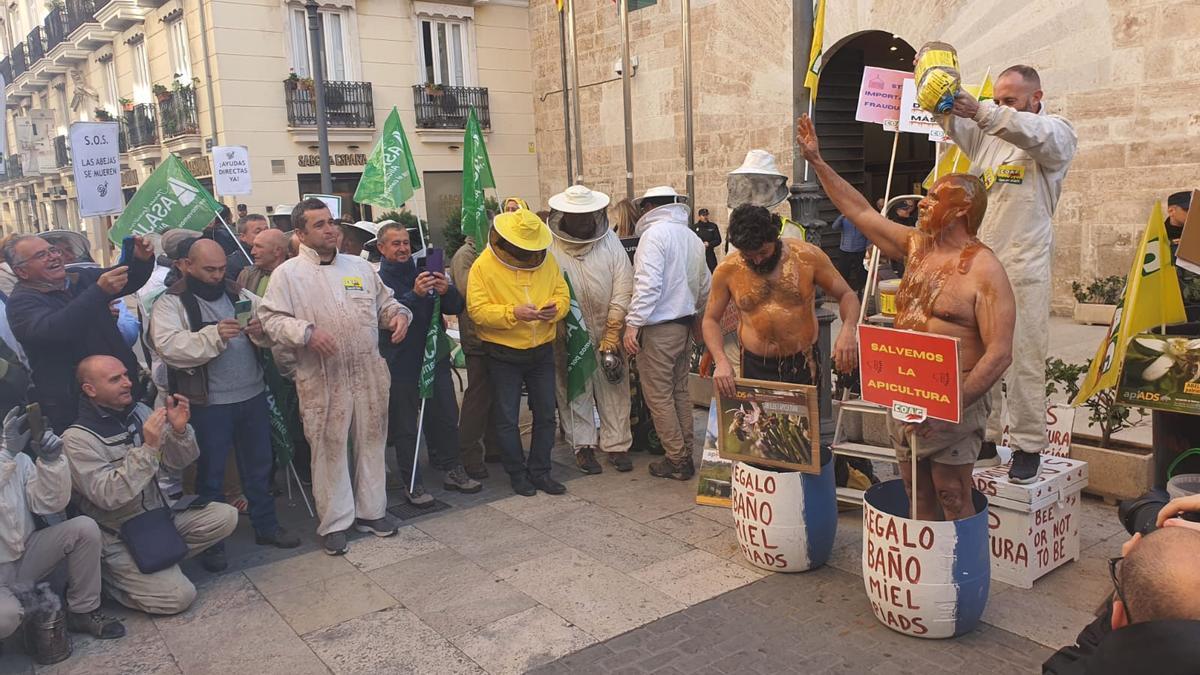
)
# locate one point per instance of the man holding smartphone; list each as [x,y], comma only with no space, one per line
[416,290]
[517,296]
[210,351]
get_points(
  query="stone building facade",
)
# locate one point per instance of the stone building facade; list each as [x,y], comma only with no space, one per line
[142,62]
[1122,72]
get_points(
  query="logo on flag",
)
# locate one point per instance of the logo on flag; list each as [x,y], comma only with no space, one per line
[186,193]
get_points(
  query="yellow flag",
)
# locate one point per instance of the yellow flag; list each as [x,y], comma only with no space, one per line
[559,3]
[814,54]
[954,160]
[1151,299]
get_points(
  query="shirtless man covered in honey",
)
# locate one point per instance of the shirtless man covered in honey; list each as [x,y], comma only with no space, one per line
[953,285]
[772,281]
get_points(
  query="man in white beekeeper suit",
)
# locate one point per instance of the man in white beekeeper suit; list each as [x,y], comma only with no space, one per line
[1022,155]
[597,267]
[329,308]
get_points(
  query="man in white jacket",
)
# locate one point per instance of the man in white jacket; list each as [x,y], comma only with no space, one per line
[671,284]
[1022,154]
[329,308]
[27,555]
[596,266]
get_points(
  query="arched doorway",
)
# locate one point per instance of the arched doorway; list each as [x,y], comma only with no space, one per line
[860,151]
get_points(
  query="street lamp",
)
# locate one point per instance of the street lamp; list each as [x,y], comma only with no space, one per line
[316,41]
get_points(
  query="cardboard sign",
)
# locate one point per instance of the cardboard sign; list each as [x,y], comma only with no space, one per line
[1188,255]
[879,96]
[231,170]
[1161,373]
[913,118]
[770,423]
[909,371]
[334,203]
[1060,423]
[96,166]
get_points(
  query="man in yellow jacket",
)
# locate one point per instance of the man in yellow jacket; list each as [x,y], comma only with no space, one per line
[515,295]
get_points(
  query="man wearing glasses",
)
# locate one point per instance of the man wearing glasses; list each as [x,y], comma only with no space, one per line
[60,318]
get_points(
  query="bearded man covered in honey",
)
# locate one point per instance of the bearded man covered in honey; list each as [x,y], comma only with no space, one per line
[772,281]
[954,286]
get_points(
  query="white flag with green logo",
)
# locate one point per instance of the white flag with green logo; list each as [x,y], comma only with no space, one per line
[170,198]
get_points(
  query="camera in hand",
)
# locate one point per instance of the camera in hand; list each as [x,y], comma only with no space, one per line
[1141,514]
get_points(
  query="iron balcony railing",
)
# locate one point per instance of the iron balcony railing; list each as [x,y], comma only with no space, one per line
[80,12]
[62,156]
[178,114]
[6,70]
[55,28]
[19,63]
[440,107]
[347,104]
[12,165]
[141,126]
[36,45]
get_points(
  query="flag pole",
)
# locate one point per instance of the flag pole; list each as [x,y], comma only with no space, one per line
[412,476]
[235,239]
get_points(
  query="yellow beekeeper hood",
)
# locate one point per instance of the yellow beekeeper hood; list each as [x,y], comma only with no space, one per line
[520,203]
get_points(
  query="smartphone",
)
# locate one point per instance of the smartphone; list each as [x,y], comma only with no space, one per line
[435,261]
[126,251]
[242,310]
[37,423]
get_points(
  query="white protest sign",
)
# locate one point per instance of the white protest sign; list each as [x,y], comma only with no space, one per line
[913,118]
[231,170]
[334,203]
[96,166]
[1060,422]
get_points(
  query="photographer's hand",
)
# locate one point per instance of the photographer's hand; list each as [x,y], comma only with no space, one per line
[1177,506]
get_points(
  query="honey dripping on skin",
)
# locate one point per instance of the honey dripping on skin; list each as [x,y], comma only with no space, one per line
[921,286]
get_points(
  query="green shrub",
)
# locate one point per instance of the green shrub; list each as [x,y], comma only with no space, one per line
[1106,291]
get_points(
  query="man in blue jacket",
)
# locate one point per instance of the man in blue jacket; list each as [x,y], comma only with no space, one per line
[62,317]
[416,291]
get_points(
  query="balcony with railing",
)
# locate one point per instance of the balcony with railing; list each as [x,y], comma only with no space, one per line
[80,12]
[62,156]
[6,69]
[12,167]
[177,112]
[141,126]
[19,63]
[348,105]
[55,27]
[441,107]
[35,45]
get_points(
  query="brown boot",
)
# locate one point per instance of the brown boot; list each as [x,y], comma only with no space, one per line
[585,459]
[665,468]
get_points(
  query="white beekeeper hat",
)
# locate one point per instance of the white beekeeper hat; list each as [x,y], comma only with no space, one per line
[757,181]
[661,191]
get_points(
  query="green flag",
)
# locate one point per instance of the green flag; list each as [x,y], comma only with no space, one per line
[390,177]
[477,175]
[430,358]
[169,198]
[581,358]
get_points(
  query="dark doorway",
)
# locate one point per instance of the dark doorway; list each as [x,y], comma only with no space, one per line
[860,151]
[344,185]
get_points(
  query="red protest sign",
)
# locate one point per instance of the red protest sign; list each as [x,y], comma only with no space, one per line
[917,372]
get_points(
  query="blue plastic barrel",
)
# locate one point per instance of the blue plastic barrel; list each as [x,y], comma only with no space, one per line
[785,520]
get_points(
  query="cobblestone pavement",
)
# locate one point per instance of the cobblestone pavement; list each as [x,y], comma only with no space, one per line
[817,622]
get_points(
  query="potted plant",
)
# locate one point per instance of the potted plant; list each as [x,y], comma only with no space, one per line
[1189,284]
[1097,302]
[126,104]
[1116,469]
[160,92]
[434,89]
[102,115]
[292,82]
[307,84]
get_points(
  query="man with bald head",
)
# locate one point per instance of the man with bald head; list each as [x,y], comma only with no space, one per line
[269,250]
[211,355]
[1021,153]
[954,286]
[115,448]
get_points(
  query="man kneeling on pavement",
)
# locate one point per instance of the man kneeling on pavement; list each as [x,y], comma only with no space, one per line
[116,448]
[32,490]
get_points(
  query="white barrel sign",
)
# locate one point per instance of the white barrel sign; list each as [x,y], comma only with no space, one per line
[924,578]
[785,520]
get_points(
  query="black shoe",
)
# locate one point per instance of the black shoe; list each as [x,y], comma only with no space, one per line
[987,455]
[280,538]
[522,485]
[335,543]
[620,460]
[665,468]
[547,484]
[585,459]
[1024,469]
[380,527]
[476,471]
[213,559]
[95,624]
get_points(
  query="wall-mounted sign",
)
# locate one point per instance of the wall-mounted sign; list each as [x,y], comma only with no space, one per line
[345,159]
